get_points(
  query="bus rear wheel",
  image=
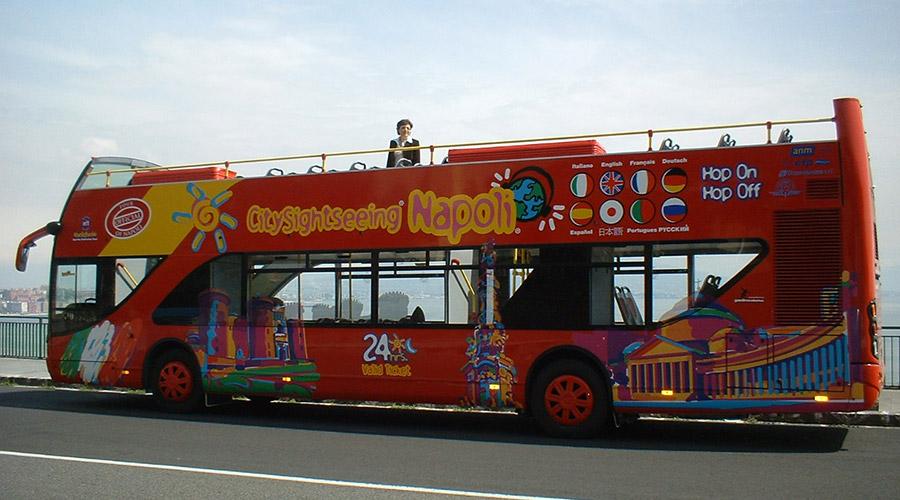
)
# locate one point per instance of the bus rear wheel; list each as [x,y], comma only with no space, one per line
[176,382]
[569,399]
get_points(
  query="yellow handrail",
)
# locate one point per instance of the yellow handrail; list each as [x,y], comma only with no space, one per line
[323,156]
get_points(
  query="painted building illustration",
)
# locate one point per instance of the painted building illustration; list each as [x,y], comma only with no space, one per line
[265,355]
[735,365]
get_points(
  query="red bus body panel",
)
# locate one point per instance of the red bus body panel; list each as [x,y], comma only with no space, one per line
[709,362]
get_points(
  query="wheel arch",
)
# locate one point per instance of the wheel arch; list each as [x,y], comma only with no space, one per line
[157,350]
[566,352]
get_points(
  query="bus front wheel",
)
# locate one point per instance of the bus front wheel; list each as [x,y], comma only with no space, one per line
[569,399]
[176,382]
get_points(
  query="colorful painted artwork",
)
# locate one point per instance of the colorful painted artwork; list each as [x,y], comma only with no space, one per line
[263,356]
[97,355]
[206,217]
[708,359]
[489,372]
[533,193]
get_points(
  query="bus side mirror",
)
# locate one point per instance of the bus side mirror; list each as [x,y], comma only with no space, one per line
[30,241]
[22,256]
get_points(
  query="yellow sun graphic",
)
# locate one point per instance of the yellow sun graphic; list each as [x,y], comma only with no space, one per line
[206,216]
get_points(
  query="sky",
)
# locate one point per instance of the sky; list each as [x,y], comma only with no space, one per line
[179,82]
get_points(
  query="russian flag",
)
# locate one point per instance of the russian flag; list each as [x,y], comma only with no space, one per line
[674,210]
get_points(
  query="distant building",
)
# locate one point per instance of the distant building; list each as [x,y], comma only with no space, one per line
[16,307]
[24,300]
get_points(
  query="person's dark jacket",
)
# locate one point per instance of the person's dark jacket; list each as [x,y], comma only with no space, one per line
[413,156]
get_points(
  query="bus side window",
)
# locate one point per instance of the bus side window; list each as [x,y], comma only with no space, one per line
[462,277]
[629,268]
[129,273]
[544,287]
[75,303]
[414,280]
[182,305]
[602,296]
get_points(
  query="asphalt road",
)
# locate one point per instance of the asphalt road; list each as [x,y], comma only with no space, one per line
[76,444]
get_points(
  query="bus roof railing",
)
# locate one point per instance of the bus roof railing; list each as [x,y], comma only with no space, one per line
[432,147]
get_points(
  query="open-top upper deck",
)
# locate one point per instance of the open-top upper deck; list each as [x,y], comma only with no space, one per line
[120,171]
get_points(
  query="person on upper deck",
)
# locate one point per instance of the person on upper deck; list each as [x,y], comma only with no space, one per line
[403,140]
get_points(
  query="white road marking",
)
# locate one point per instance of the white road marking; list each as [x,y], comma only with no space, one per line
[276,477]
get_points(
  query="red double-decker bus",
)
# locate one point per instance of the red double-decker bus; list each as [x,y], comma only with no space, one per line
[551,277]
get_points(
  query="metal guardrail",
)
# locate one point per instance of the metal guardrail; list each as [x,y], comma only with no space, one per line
[432,147]
[891,356]
[23,337]
[26,337]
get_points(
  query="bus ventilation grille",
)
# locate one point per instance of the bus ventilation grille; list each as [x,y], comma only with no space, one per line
[808,267]
[823,189]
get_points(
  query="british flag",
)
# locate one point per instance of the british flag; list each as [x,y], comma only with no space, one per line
[611,183]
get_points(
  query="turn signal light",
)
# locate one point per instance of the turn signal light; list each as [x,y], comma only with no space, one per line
[668,392]
[872,309]
[821,399]
[285,379]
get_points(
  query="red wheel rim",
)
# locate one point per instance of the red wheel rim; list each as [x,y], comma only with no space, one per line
[175,381]
[569,400]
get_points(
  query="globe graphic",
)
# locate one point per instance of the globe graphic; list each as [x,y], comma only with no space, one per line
[529,196]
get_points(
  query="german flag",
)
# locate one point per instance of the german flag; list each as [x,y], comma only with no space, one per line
[674,180]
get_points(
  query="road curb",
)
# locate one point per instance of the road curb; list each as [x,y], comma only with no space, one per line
[869,418]
[26,381]
[42,382]
[865,418]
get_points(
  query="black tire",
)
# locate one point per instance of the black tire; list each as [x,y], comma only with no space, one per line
[176,382]
[569,399]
